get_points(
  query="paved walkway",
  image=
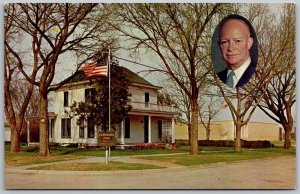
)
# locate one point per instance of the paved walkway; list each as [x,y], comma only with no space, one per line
[275,173]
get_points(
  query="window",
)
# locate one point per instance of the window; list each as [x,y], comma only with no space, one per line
[81,127]
[146,97]
[159,127]
[91,128]
[66,99]
[51,127]
[127,128]
[66,128]
[89,94]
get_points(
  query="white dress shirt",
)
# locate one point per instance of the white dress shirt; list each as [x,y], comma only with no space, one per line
[239,71]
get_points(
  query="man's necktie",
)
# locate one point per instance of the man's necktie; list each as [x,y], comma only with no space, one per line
[229,80]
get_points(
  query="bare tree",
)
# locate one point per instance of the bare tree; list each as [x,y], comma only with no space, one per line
[182,101]
[209,107]
[178,34]
[52,29]
[13,113]
[242,105]
[18,94]
[277,50]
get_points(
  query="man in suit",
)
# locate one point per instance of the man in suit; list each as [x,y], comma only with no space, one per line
[235,42]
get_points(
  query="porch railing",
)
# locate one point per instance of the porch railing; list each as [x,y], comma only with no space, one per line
[151,107]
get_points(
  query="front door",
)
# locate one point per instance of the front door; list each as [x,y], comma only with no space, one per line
[146,129]
[159,127]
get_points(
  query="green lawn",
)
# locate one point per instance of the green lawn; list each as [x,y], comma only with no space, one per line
[222,156]
[97,166]
[281,143]
[29,155]
[207,155]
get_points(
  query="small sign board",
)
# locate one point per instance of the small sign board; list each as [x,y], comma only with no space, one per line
[107,139]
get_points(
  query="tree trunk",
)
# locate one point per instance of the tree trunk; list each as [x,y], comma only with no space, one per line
[208,131]
[189,133]
[238,144]
[12,118]
[44,139]
[288,126]
[194,129]
[287,137]
[15,136]
[207,134]
[15,144]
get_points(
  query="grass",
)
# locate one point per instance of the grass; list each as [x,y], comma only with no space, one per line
[281,143]
[215,149]
[97,166]
[101,153]
[222,156]
[29,155]
[21,160]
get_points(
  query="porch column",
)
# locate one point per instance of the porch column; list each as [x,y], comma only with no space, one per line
[49,129]
[85,129]
[149,129]
[122,140]
[173,130]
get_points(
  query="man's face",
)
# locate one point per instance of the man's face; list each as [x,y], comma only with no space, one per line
[235,42]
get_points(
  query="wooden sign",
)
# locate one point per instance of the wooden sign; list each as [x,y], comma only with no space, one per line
[107,139]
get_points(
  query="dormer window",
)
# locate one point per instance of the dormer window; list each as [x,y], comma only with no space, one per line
[146,97]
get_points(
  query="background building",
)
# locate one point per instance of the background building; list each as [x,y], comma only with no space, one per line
[225,130]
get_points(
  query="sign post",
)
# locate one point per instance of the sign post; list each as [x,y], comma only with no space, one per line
[107,139]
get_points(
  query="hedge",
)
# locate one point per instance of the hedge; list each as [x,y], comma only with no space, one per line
[229,143]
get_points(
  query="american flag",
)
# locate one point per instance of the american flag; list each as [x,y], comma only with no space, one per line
[92,70]
[223,106]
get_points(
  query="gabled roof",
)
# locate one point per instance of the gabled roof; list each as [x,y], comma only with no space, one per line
[131,76]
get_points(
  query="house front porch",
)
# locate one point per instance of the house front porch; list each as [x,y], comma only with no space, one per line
[146,129]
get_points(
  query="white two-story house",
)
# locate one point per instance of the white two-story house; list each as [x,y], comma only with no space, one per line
[147,122]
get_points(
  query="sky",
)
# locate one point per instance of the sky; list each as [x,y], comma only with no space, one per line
[155,78]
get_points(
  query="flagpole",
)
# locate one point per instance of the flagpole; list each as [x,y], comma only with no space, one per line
[109,96]
[109,89]
[107,151]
